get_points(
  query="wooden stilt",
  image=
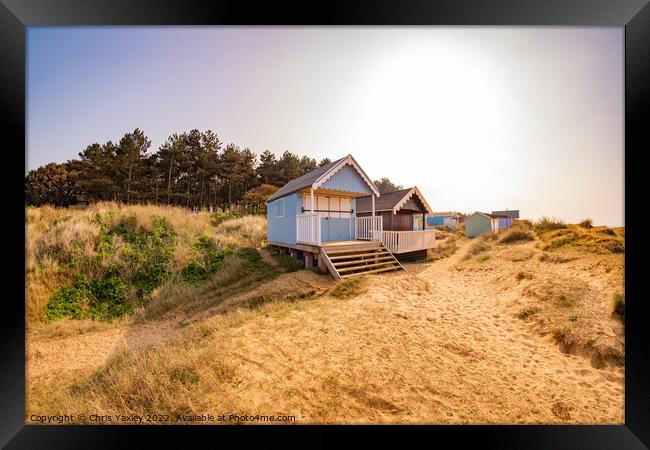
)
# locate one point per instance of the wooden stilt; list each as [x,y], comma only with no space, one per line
[309,260]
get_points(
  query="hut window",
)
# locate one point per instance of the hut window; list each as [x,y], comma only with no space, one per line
[278,208]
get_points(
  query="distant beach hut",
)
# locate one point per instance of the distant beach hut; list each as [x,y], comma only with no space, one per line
[448,219]
[480,223]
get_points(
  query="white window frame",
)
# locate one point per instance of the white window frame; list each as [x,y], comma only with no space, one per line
[280,202]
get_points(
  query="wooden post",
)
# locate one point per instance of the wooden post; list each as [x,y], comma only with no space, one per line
[321,264]
[309,260]
[294,253]
[311,195]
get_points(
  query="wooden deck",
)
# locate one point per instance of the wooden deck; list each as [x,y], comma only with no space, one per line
[347,245]
[345,258]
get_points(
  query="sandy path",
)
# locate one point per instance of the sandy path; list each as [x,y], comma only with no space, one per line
[432,346]
[47,358]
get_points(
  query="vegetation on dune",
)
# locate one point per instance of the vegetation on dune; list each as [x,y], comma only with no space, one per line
[549,223]
[619,307]
[555,234]
[516,235]
[478,246]
[443,249]
[102,262]
[290,264]
[349,287]
[586,223]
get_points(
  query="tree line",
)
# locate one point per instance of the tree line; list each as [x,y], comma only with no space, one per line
[193,169]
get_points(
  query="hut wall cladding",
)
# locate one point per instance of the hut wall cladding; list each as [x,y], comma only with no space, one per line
[477,224]
[282,228]
[412,205]
[347,179]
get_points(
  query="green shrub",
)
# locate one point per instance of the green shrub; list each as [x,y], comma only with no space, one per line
[69,301]
[209,261]
[85,299]
[619,307]
[573,317]
[483,258]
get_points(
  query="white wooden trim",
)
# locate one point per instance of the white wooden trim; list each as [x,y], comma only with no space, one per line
[408,241]
[311,194]
[351,161]
[408,195]
[308,228]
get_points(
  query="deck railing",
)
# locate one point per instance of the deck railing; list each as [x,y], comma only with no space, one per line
[408,241]
[308,228]
[368,228]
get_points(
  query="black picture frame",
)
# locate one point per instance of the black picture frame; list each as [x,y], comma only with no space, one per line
[634,15]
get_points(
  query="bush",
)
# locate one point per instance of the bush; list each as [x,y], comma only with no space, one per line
[515,235]
[619,307]
[586,223]
[69,301]
[102,299]
[208,261]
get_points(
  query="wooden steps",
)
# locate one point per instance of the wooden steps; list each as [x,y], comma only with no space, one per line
[350,261]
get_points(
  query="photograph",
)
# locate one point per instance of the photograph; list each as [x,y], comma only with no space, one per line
[300,225]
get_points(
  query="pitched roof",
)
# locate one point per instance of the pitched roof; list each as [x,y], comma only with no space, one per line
[445,213]
[514,213]
[391,201]
[491,216]
[312,178]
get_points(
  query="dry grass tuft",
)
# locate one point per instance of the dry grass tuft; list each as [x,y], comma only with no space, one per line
[350,287]
[516,235]
[477,247]
[443,249]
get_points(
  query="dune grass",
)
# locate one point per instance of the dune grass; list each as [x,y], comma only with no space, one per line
[103,261]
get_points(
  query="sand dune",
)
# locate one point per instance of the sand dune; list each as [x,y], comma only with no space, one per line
[438,344]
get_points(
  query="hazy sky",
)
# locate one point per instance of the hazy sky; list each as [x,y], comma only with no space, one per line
[478,118]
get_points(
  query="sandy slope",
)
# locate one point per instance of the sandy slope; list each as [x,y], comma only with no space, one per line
[438,344]
[433,345]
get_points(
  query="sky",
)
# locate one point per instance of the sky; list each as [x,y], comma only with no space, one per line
[479,118]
